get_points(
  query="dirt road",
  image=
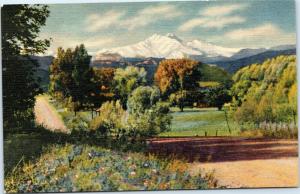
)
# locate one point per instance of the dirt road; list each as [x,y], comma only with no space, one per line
[237,162]
[47,116]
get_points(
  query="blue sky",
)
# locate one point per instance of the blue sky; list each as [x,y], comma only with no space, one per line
[237,24]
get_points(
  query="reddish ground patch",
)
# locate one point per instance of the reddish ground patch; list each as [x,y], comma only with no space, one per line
[221,149]
[236,162]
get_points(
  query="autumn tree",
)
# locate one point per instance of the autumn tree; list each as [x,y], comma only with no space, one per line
[177,76]
[103,77]
[20,25]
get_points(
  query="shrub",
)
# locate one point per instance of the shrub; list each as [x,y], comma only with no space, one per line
[75,168]
[147,117]
[126,80]
[112,119]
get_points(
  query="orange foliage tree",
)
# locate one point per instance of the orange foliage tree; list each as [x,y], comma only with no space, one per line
[177,75]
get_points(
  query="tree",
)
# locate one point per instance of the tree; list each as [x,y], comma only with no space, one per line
[217,96]
[147,116]
[61,74]
[81,87]
[20,28]
[177,75]
[266,92]
[71,77]
[103,78]
[126,80]
[179,98]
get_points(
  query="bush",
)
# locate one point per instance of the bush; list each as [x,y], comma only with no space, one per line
[112,119]
[126,80]
[147,116]
[272,130]
[75,168]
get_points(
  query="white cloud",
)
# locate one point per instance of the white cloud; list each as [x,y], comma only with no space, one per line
[143,17]
[211,23]
[215,17]
[150,15]
[265,35]
[69,41]
[95,21]
[222,10]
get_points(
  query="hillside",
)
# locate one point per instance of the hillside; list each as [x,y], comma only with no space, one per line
[42,71]
[232,66]
[267,91]
[214,73]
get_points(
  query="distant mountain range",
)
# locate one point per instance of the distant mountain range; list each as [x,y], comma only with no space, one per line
[234,65]
[150,52]
[170,46]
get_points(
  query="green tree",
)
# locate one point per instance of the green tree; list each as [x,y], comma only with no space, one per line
[20,26]
[147,116]
[217,96]
[61,74]
[126,80]
[71,77]
[266,92]
[81,87]
[179,98]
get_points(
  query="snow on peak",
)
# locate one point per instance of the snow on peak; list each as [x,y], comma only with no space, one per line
[169,46]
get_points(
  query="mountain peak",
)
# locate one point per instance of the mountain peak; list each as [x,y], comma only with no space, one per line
[171,46]
[173,36]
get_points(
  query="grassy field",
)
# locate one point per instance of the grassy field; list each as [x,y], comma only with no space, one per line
[200,121]
[191,122]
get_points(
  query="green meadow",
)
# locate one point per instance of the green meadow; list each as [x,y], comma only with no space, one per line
[200,121]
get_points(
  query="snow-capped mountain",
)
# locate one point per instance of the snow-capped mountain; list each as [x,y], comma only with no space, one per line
[169,46]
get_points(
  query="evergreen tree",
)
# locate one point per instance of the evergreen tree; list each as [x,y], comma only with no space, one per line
[70,77]
[81,76]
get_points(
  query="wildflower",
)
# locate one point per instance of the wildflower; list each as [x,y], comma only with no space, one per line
[146,165]
[128,158]
[146,182]
[101,169]
[76,176]
[132,173]
[133,166]
[154,170]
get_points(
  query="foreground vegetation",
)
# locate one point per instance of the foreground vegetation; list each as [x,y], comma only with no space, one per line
[72,168]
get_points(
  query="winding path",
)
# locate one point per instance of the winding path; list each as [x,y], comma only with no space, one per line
[47,116]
